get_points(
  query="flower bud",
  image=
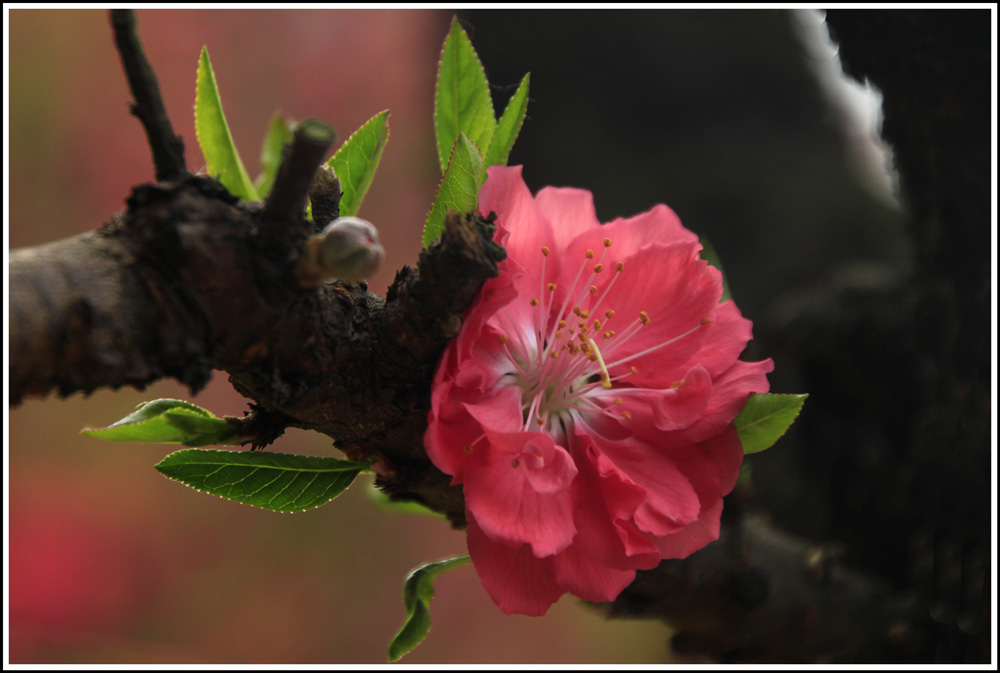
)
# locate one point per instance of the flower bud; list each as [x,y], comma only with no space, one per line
[348,248]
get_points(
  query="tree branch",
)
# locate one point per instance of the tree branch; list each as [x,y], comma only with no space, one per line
[167,148]
[286,203]
[758,595]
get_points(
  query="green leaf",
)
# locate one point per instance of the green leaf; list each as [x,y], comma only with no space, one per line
[709,255]
[418,590]
[221,158]
[459,188]
[279,134]
[382,500]
[462,102]
[508,127]
[281,482]
[356,160]
[765,418]
[167,421]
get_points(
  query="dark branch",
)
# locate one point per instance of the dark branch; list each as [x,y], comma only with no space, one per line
[167,148]
[286,203]
[760,596]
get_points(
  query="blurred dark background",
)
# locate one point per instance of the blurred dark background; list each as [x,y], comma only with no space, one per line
[724,115]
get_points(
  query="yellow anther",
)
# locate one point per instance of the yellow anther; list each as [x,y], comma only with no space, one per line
[515,463]
[609,314]
[468,449]
[677,385]
[562,323]
[643,317]
[584,313]
[540,421]
[607,243]
[634,370]
[590,254]
[620,266]
[503,339]
[598,268]
[533,302]
[593,289]
[559,334]
[545,250]
[596,352]
[609,334]
[706,320]
[552,287]
[619,402]
[576,310]
[597,323]
[627,414]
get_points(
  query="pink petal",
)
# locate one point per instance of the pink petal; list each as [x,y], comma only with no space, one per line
[681,406]
[629,234]
[587,578]
[501,494]
[678,292]
[729,394]
[498,412]
[606,501]
[570,212]
[450,427]
[725,338]
[517,582]
[727,452]
[671,501]
[505,193]
[694,536]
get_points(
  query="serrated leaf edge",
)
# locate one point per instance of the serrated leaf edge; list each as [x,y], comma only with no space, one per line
[158,467]
[802,399]
[458,35]
[437,192]
[376,157]
[250,193]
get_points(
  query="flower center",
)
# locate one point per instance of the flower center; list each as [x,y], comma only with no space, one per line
[563,366]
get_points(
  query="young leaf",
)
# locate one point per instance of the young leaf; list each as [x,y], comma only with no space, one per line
[459,188]
[765,418]
[221,157]
[462,102]
[168,421]
[418,590]
[279,134]
[356,160]
[281,482]
[508,127]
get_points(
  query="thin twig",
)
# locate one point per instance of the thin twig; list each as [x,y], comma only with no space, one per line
[167,148]
[287,201]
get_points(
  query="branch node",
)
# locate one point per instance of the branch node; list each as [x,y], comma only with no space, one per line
[324,195]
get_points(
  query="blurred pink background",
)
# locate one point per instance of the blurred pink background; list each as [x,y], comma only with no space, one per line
[109,561]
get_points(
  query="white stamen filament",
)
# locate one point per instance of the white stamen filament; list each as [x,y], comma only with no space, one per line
[557,363]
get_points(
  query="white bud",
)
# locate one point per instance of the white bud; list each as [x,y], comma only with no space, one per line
[346,248]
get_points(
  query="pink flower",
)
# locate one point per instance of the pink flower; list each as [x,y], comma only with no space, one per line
[586,406]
